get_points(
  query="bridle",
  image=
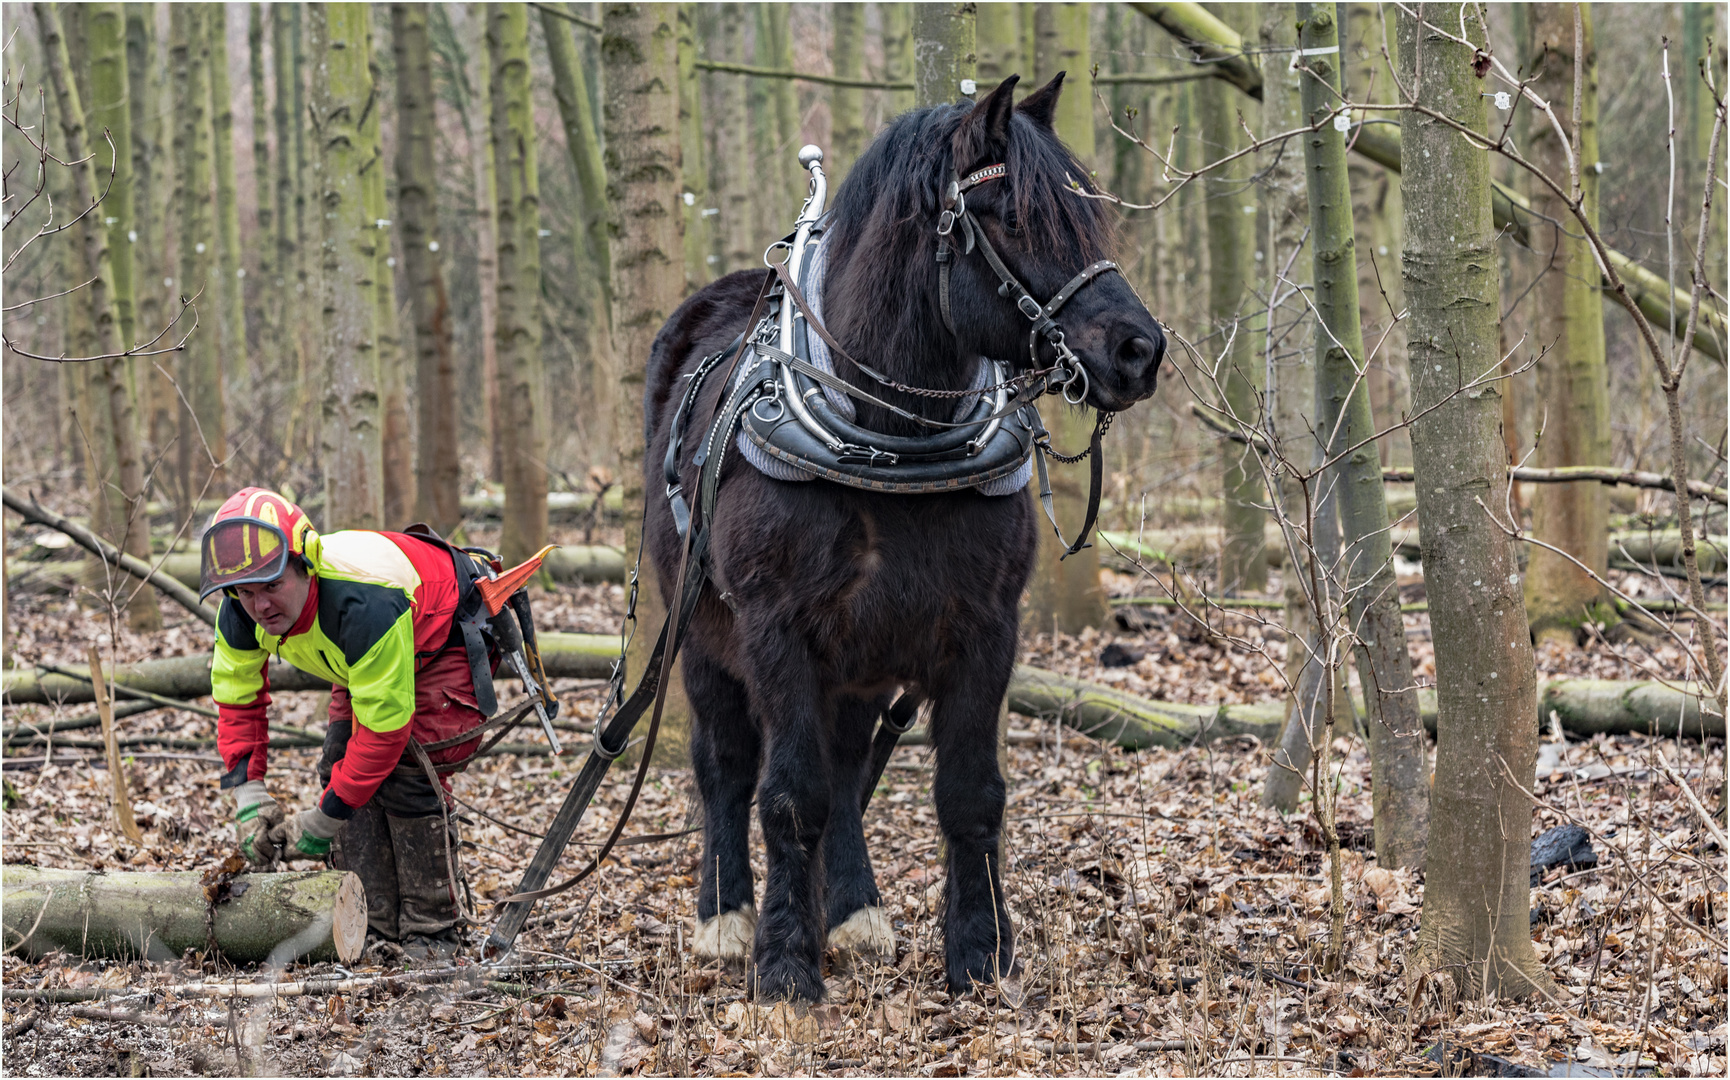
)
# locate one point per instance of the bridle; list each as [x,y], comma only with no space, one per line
[1042,316]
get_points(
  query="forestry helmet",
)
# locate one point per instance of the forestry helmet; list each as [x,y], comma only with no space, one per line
[251,540]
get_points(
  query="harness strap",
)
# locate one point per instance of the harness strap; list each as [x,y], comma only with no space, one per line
[651,687]
[897,719]
[1096,483]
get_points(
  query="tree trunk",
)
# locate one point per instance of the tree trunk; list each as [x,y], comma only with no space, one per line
[1288,362]
[1573,383]
[1702,41]
[116,435]
[693,163]
[150,257]
[897,34]
[398,435]
[733,143]
[345,124]
[109,108]
[522,387]
[312,915]
[1064,594]
[487,245]
[1475,927]
[945,52]
[437,469]
[583,143]
[1001,50]
[263,305]
[642,117]
[1377,208]
[777,121]
[1343,417]
[203,440]
[847,137]
[230,296]
[1231,305]
[287,283]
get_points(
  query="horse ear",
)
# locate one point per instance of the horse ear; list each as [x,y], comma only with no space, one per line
[986,131]
[1041,105]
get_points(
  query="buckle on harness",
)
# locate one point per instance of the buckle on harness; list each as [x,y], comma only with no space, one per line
[1029,307]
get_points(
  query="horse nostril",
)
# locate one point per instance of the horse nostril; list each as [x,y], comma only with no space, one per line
[1136,354]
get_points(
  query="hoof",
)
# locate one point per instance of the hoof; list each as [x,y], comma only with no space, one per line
[727,936]
[865,933]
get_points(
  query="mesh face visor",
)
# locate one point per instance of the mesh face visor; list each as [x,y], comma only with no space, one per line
[241,551]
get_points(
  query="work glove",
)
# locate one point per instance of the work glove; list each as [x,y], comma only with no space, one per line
[255,815]
[306,835]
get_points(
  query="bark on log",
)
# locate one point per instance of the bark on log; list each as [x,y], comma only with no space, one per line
[571,563]
[1603,706]
[567,656]
[1130,722]
[275,918]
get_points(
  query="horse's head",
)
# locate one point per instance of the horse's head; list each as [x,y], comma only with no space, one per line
[1038,219]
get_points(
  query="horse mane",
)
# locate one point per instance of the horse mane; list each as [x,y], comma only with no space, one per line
[880,298]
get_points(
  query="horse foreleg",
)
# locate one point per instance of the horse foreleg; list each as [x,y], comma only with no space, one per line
[979,943]
[793,803]
[856,920]
[726,748]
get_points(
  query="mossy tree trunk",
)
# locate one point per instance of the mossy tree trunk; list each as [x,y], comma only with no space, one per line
[203,441]
[1286,354]
[593,260]
[694,165]
[156,401]
[487,242]
[775,122]
[1573,382]
[945,51]
[263,304]
[437,469]
[1344,420]
[639,49]
[287,283]
[522,389]
[230,295]
[1002,52]
[846,103]
[397,424]
[1475,928]
[896,37]
[113,424]
[1231,310]
[1064,593]
[345,132]
[732,174]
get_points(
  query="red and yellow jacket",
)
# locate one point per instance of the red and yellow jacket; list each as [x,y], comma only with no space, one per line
[378,601]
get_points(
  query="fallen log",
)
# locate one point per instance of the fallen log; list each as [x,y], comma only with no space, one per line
[88,540]
[1130,722]
[263,918]
[1589,707]
[561,505]
[182,677]
[571,563]
[1663,548]
[25,729]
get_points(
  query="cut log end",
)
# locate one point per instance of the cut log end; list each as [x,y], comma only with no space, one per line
[348,919]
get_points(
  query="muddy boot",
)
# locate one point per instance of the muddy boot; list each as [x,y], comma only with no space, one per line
[365,846]
[428,915]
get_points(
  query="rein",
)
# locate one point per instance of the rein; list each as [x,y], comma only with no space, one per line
[1008,434]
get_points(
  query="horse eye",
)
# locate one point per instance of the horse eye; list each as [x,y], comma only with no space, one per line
[1011,220]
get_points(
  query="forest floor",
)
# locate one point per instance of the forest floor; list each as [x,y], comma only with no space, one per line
[1166,923]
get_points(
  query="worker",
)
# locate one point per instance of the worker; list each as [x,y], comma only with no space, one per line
[375,613]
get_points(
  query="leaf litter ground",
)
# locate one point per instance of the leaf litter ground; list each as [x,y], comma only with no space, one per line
[1166,923]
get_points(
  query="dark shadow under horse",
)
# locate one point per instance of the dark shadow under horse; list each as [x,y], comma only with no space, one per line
[825,599]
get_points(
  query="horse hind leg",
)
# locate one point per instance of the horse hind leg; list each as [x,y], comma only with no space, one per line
[726,748]
[858,925]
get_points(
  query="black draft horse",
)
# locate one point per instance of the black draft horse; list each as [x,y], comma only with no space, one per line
[839,596]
